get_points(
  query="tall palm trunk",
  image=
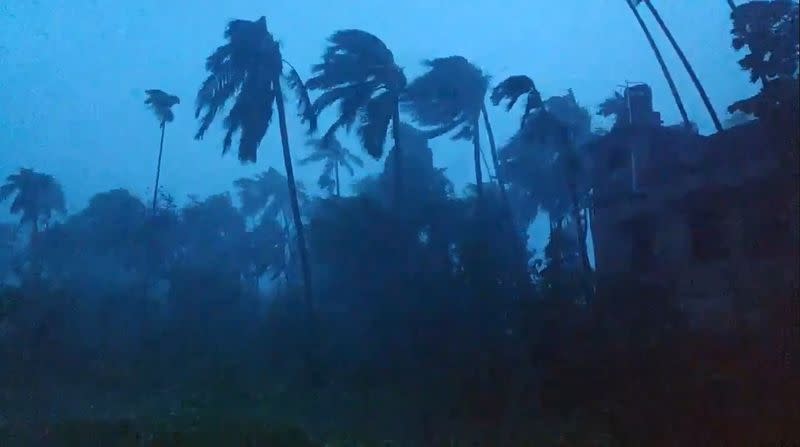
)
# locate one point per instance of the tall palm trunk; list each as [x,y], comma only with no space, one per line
[492,148]
[398,155]
[505,202]
[732,4]
[686,64]
[661,62]
[476,144]
[336,170]
[158,167]
[298,223]
[571,175]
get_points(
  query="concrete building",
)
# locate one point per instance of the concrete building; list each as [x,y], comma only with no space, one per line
[713,219]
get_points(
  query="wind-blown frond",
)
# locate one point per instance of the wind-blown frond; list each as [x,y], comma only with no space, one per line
[359,72]
[375,123]
[304,106]
[247,69]
[161,104]
[512,88]
[450,94]
[353,56]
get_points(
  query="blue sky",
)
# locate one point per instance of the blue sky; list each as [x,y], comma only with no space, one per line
[73,73]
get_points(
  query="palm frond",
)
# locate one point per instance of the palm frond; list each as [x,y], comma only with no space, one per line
[512,88]
[315,157]
[353,56]
[305,108]
[354,159]
[161,104]
[375,123]
[247,69]
[450,94]
[349,108]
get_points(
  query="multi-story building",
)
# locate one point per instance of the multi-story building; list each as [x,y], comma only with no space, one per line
[714,219]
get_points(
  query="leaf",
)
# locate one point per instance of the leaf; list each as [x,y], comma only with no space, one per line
[305,108]
[375,123]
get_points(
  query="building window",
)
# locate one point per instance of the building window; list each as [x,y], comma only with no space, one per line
[708,235]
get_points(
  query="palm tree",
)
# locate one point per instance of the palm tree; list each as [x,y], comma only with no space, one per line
[161,104]
[660,58]
[359,72]
[265,198]
[248,68]
[449,96]
[511,89]
[542,160]
[685,61]
[37,197]
[334,155]
[732,4]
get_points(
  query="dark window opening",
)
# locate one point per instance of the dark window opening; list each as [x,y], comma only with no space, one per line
[708,236]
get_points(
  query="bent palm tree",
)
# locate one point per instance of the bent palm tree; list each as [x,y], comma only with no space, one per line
[685,61]
[359,72]
[334,155]
[161,104]
[37,197]
[511,89]
[449,96]
[661,63]
[248,68]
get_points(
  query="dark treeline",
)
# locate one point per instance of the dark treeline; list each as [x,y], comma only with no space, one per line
[402,311]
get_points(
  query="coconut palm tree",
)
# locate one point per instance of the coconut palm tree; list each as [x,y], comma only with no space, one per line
[265,198]
[667,75]
[161,104]
[450,96]
[335,156]
[248,69]
[511,89]
[542,159]
[688,66]
[36,197]
[359,73]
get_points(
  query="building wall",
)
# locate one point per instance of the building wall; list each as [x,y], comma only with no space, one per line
[675,182]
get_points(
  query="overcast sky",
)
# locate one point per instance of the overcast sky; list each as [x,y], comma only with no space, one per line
[73,73]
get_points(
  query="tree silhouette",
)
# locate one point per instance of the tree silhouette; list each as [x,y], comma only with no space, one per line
[771,33]
[449,96]
[248,68]
[359,73]
[335,156]
[36,197]
[161,104]
[511,89]
[265,199]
